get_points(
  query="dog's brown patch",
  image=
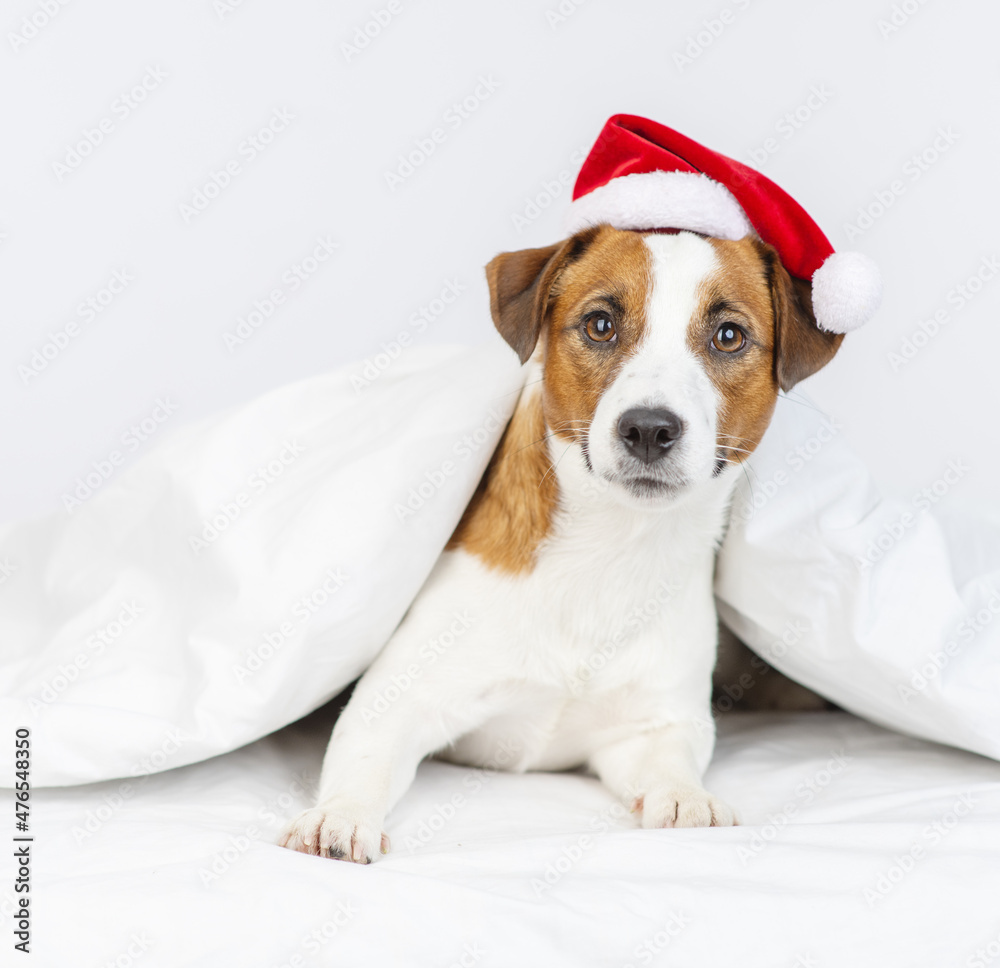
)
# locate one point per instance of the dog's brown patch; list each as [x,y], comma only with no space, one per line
[739,292]
[753,290]
[615,275]
[511,511]
[599,270]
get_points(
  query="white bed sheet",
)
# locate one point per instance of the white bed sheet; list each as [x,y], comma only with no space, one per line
[182,870]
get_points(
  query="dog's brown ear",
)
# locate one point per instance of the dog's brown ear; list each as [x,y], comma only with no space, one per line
[800,346]
[520,286]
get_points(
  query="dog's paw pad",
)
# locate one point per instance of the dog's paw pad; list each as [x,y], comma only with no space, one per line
[684,807]
[338,830]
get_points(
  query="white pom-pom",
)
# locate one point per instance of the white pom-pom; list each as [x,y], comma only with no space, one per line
[846,291]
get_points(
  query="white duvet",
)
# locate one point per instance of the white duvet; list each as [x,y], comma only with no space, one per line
[251,565]
[206,619]
[860,847]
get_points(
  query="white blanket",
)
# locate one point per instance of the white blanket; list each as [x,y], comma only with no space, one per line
[245,570]
[250,566]
[890,608]
[860,847]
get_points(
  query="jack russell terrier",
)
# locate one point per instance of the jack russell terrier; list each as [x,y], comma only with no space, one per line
[583,564]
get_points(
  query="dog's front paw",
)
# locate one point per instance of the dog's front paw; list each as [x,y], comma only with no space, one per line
[338,828]
[683,807]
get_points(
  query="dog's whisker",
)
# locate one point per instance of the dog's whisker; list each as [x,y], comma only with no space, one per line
[747,476]
[794,397]
[533,443]
[552,468]
[745,466]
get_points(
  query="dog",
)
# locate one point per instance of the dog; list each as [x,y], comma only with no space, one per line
[582,569]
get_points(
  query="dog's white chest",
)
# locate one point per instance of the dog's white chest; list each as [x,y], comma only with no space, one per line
[613,629]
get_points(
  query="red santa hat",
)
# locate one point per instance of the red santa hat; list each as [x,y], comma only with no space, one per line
[642,175]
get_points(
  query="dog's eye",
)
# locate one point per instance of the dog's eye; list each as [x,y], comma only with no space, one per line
[600,329]
[729,338]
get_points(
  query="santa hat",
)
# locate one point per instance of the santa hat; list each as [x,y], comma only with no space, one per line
[642,175]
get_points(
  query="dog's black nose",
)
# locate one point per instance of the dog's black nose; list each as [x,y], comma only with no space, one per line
[649,434]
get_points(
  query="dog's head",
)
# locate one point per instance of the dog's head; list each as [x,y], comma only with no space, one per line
[662,354]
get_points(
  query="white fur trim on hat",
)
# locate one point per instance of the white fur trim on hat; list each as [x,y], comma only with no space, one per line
[846,291]
[659,200]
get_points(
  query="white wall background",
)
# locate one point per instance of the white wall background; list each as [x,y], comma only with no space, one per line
[228,65]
